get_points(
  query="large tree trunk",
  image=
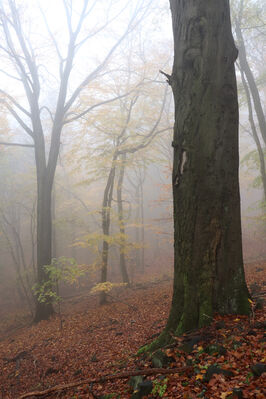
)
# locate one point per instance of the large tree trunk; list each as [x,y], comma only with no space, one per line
[209,275]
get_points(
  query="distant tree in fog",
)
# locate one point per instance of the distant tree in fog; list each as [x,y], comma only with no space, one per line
[249,18]
[25,69]
[113,135]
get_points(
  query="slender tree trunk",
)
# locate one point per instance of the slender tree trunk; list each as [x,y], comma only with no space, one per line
[22,261]
[255,134]
[122,247]
[142,230]
[53,205]
[244,65]
[17,254]
[106,213]
[137,228]
[208,267]
[33,238]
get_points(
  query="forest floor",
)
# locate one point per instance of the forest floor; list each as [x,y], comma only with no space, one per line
[223,360]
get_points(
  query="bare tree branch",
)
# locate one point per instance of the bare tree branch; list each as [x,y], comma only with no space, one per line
[153,132]
[68,17]
[10,76]
[97,70]
[51,35]
[91,8]
[97,105]
[102,27]
[17,144]
[150,137]
[15,103]
[48,110]
[19,120]
[30,61]
[15,58]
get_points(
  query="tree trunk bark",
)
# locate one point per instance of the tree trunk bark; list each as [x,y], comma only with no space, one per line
[106,213]
[53,216]
[122,258]
[44,239]
[142,230]
[208,267]
[251,81]
[254,133]
[137,228]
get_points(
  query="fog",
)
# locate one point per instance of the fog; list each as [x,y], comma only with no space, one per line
[111,190]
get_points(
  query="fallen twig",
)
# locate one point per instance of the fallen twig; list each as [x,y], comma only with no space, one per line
[126,374]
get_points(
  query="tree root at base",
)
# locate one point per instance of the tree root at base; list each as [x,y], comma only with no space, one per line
[126,374]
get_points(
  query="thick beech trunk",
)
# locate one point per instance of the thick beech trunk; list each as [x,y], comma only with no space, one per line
[209,275]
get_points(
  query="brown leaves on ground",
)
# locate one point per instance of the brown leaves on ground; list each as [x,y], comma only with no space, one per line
[225,362]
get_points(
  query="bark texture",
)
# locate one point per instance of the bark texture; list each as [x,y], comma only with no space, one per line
[106,220]
[244,65]
[209,274]
[44,237]
[254,132]
[122,229]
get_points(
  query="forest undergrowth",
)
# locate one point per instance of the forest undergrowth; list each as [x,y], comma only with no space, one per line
[91,351]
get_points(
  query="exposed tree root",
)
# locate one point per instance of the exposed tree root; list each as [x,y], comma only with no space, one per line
[126,374]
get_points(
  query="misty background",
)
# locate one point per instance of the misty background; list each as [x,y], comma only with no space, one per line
[126,109]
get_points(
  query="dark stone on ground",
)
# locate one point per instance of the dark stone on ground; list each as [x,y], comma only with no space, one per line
[213,369]
[258,369]
[159,359]
[135,381]
[219,325]
[260,325]
[259,304]
[251,332]
[188,346]
[141,388]
[212,349]
[237,393]
[145,387]
[50,370]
